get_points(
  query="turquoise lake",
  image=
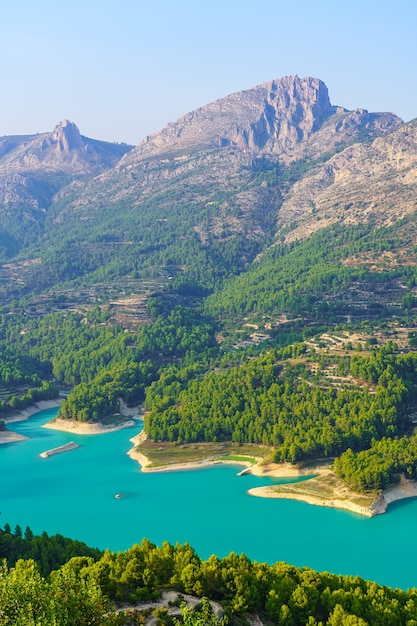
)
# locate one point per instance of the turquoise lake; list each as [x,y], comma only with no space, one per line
[73,494]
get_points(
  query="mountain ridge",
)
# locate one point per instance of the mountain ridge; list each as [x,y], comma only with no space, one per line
[205,196]
[271,118]
[228,137]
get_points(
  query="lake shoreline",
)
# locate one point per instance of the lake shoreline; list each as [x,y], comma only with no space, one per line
[404,490]
[87,428]
[132,416]
[147,467]
[9,436]
[377,506]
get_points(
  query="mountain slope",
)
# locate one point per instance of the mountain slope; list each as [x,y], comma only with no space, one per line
[376,181]
[33,168]
[200,200]
[214,180]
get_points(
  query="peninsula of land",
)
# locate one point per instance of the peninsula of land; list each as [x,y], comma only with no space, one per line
[319,485]
[90,428]
[125,418]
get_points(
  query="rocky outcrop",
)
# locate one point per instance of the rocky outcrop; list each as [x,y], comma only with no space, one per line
[66,136]
[64,150]
[33,168]
[276,118]
[377,180]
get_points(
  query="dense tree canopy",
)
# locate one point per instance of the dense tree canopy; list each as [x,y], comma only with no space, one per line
[79,591]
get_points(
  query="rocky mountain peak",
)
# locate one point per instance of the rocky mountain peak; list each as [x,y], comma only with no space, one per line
[67,136]
[34,167]
[280,118]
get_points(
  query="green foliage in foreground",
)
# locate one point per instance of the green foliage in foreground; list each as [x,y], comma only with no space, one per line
[203,617]
[49,551]
[28,599]
[79,592]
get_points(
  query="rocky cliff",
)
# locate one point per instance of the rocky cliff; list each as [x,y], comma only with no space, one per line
[34,167]
[375,181]
[280,118]
[216,150]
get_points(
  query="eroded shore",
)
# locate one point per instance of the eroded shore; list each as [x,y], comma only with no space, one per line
[343,498]
[322,489]
[130,415]
[9,436]
[87,428]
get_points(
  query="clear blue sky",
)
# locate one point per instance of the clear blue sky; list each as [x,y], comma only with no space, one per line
[121,69]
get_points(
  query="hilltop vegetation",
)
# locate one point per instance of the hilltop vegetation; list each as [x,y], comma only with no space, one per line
[87,588]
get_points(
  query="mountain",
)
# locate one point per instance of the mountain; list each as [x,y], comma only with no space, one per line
[215,179]
[219,146]
[34,167]
[205,198]
[64,150]
[376,181]
[287,118]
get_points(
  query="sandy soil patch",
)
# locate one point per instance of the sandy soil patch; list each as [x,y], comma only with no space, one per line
[87,428]
[23,415]
[8,436]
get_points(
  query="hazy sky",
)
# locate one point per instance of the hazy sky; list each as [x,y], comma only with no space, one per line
[121,69]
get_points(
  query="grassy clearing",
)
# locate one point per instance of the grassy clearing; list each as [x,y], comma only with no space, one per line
[238,458]
[167,453]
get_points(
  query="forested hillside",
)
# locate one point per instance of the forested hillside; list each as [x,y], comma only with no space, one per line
[248,276]
[107,589]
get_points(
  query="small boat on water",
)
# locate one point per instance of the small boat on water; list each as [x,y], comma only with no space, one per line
[118,496]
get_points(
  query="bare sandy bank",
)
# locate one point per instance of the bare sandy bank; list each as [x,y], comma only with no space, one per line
[132,414]
[269,492]
[9,436]
[344,499]
[24,414]
[87,428]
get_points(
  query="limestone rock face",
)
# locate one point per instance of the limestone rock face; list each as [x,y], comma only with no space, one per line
[242,167]
[278,118]
[375,180]
[66,136]
[34,167]
[64,150]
